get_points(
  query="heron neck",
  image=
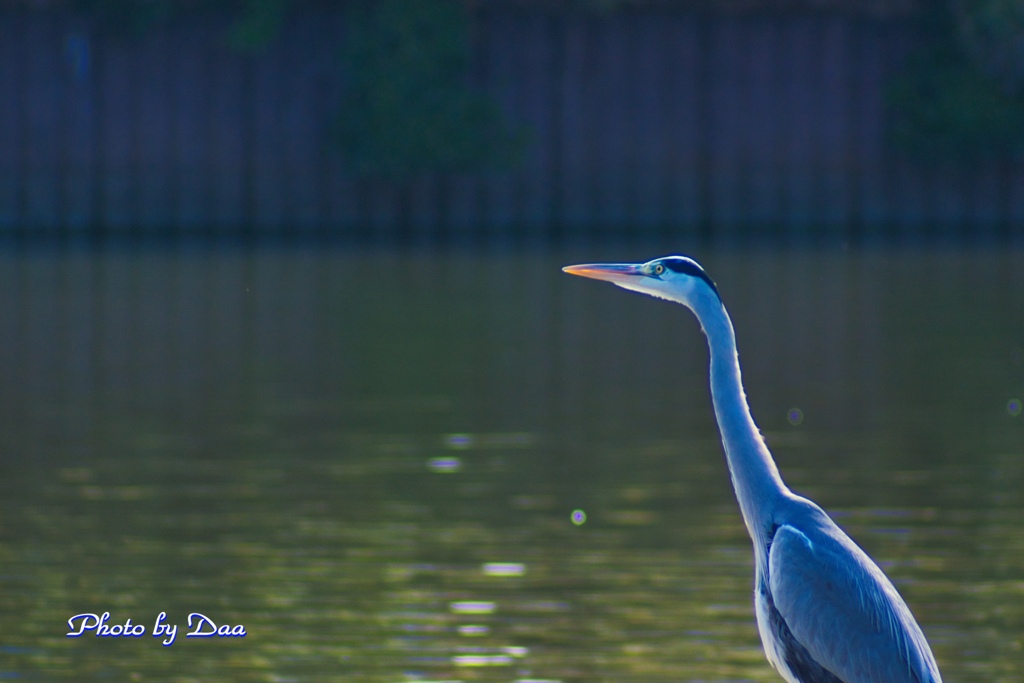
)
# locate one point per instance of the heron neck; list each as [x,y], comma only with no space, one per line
[755,477]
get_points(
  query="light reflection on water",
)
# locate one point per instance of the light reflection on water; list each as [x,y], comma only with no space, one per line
[373,461]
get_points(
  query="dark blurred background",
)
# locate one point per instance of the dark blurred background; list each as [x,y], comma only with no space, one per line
[232,382]
[402,121]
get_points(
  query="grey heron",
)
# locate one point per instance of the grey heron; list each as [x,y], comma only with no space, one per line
[825,611]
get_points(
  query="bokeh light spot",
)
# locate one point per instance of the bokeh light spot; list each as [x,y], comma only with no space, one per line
[504,569]
[445,465]
[459,441]
[795,416]
[579,517]
[472,607]
[1014,406]
[473,630]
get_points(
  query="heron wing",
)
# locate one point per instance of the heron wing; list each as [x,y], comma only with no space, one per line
[843,610]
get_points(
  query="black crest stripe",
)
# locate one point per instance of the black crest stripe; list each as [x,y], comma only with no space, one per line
[688,267]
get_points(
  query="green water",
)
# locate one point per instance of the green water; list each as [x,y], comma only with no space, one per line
[330,449]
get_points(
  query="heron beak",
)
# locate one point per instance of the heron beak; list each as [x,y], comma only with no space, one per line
[609,272]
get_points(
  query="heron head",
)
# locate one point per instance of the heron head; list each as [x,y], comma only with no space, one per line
[676,278]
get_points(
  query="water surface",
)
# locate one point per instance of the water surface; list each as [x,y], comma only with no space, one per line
[372,461]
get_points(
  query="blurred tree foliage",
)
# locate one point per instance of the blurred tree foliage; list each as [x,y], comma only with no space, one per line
[409,108]
[254,23]
[992,33]
[126,17]
[257,24]
[961,96]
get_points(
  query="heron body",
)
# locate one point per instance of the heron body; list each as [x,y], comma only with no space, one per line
[825,612]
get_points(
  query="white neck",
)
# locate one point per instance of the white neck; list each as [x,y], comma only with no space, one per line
[755,478]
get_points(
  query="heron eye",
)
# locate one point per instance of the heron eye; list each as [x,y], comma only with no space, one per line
[659,269]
